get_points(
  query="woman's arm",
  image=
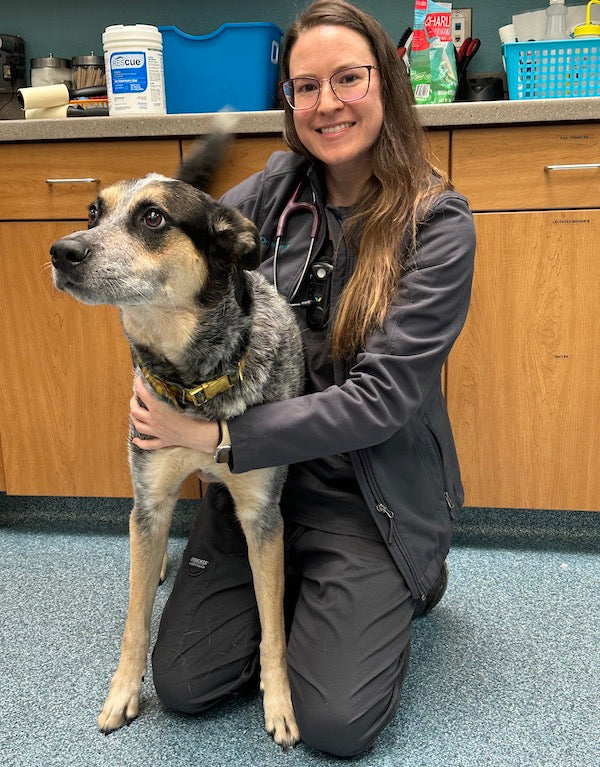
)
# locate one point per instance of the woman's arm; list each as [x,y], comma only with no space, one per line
[389,380]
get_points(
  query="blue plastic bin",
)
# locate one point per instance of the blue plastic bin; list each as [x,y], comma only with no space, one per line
[236,66]
[553,69]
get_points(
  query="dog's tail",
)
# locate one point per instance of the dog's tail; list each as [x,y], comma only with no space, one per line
[200,165]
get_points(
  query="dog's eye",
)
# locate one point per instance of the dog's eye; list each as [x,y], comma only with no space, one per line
[93,214]
[154,219]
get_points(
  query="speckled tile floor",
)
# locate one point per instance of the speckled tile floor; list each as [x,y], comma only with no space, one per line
[504,672]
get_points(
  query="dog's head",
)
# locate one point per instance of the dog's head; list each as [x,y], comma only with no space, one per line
[156,241]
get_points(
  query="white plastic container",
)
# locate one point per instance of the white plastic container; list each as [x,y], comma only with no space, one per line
[508,34]
[556,20]
[134,70]
[50,71]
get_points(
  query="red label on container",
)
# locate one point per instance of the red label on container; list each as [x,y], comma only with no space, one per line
[439,25]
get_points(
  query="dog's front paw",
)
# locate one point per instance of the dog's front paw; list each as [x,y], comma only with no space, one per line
[120,707]
[280,721]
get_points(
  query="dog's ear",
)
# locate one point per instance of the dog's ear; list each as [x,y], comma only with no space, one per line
[237,237]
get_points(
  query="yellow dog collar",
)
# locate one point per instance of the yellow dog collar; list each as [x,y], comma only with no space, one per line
[196,395]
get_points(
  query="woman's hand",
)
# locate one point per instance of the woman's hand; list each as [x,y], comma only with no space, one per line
[165,427]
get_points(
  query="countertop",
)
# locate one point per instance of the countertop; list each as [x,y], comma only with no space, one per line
[432,116]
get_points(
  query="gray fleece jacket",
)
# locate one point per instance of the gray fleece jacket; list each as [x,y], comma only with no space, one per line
[386,409]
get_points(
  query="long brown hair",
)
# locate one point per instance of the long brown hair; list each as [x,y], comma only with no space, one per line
[383,225]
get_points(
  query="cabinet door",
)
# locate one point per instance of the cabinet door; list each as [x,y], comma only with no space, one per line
[65,378]
[523,383]
[439,144]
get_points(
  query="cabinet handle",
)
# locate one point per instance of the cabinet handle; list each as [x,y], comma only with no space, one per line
[575,166]
[72,180]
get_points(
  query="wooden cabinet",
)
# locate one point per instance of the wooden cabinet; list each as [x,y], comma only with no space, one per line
[522,381]
[66,368]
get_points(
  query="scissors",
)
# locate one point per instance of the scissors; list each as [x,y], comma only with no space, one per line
[295,205]
[466,52]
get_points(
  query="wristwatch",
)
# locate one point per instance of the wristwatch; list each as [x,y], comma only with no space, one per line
[223,451]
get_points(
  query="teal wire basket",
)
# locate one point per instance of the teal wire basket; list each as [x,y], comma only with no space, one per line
[554,69]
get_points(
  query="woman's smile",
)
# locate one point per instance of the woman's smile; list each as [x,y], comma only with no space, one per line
[335,128]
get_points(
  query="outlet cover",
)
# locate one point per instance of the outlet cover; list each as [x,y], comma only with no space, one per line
[461,25]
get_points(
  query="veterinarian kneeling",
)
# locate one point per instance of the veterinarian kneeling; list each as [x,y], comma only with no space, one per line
[374,250]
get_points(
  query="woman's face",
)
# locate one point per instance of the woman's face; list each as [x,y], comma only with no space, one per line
[340,134]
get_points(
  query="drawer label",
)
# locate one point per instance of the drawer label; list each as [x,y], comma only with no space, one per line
[571,221]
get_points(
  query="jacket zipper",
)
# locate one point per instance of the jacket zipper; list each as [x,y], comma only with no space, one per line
[340,373]
[381,507]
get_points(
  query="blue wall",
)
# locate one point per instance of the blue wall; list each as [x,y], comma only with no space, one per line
[71,29]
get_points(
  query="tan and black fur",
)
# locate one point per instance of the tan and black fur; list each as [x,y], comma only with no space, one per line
[179,267]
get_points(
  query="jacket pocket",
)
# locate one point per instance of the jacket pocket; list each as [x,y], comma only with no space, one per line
[432,456]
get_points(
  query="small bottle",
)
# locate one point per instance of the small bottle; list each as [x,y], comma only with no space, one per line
[556,20]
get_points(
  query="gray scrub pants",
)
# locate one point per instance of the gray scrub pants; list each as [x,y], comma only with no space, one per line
[348,612]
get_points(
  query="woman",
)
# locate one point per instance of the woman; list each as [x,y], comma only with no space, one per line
[374,484]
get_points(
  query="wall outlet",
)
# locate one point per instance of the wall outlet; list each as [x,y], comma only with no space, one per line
[461,25]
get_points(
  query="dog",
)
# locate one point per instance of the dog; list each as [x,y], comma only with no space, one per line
[180,267]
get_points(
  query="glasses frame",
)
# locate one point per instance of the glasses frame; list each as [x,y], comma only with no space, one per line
[290,80]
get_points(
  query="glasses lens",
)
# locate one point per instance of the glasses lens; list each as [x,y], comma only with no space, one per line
[302,92]
[351,84]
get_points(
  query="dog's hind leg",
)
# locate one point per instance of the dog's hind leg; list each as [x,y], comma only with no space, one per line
[156,489]
[258,511]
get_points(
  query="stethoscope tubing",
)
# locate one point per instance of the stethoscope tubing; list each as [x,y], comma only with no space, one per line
[294,206]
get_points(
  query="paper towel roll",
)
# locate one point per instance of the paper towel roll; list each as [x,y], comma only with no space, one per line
[43,96]
[47,112]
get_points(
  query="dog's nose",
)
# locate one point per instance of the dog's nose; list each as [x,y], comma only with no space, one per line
[68,252]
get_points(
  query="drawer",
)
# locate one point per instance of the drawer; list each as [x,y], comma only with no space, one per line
[515,168]
[28,191]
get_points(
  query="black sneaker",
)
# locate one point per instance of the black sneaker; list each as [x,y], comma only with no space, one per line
[435,593]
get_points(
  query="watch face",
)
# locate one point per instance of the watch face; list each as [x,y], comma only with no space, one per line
[222,453]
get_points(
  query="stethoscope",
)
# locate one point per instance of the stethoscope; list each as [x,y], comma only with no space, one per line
[295,205]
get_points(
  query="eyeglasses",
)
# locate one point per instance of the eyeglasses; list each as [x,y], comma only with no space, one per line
[349,84]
